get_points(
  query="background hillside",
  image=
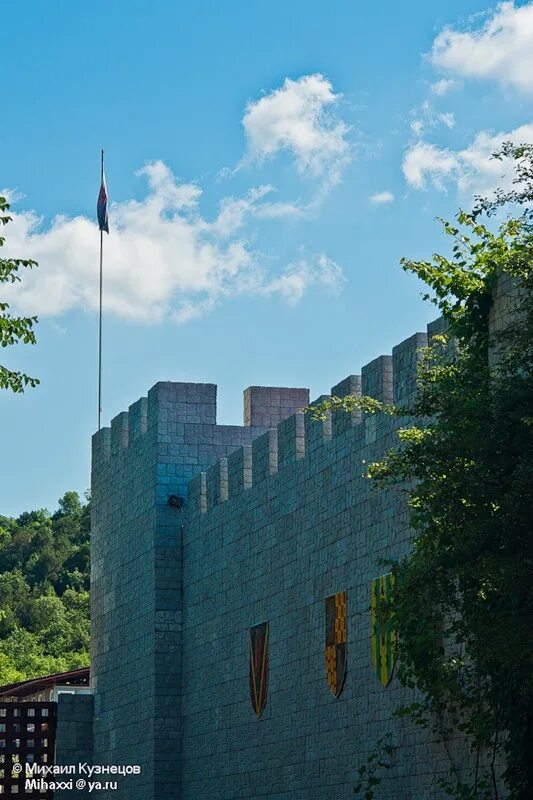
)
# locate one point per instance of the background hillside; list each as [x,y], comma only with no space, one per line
[44,590]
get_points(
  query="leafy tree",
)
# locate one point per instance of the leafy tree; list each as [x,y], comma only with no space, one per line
[44,591]
[463,604]
[13,329]
[9,672]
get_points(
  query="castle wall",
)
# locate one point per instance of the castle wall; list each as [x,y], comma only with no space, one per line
[271,533]
[74,736]
[276,517]
[123,523]
[149,454]
[504,313]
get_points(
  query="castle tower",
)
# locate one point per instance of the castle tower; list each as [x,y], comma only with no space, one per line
[141,467]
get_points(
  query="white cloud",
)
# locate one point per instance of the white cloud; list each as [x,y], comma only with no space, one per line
[472,169]
[299,118]
[443,86]
[447,119]
[381,198]
[163,258]
[502,49]
[235,212]
[424,160]
[427,117]
[297,278]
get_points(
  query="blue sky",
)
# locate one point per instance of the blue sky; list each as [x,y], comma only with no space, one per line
[267,163]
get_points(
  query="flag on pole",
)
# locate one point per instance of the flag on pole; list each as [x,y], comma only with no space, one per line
[103,224]
[101,206]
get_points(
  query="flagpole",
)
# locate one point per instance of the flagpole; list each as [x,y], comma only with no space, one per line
[100,314]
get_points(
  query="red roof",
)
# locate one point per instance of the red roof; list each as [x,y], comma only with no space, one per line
[75,677]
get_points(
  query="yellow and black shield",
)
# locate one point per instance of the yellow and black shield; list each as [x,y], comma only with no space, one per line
[383,635]
[258,647]
[336,642]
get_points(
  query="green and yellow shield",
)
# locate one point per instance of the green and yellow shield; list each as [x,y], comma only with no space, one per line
[383,635]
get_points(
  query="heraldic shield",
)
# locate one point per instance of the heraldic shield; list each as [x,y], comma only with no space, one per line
[336,642]
[258,646]
[383,635]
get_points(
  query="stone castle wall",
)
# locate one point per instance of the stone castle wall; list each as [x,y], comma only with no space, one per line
[74,735]
[150,453]
[271,532]
[276,517]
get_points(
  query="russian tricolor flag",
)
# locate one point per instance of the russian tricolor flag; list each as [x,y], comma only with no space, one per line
[101,207]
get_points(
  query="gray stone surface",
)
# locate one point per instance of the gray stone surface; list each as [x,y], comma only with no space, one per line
[74,736]
[277,516]
[300,530]
[275,521]
[503,314]
[150,453]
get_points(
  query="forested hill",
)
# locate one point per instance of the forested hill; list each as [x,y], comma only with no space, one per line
[44,591]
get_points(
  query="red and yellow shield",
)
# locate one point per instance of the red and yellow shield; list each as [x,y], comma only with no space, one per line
[258,646]
[383,635]
[336,642]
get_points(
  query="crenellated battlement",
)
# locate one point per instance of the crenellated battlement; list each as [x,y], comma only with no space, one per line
[265,454]
[181,419]
[187,411]
[297,437]
[266,406]
[168,406]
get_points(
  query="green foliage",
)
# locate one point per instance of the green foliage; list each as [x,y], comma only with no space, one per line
[349,403]
[379,758]
[13,330]
[463,604]
[522,188]
[44,591]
